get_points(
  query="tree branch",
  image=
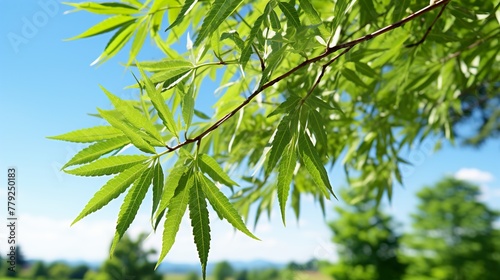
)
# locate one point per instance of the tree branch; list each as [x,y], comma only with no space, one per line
[347,45]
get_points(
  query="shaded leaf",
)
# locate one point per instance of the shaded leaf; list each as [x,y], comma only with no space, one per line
[198,213]
[157,186]
[176,209]
[290,13]
[186,8]
[177,177]
[285,176]
[314,165]
[313,16]
[281,139]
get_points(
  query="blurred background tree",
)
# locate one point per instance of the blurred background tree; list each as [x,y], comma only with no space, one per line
[192,276]
[366,242]
[130,261]
[223,270]
[453,235]
[59,271]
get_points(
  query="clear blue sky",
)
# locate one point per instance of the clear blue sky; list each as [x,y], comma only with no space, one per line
[48,87]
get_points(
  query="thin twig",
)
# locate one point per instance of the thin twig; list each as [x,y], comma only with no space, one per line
[348,45]
[429,28]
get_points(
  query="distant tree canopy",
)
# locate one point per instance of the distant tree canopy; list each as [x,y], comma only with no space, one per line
[453,235]
[366,241]
[130,261]
[301,85]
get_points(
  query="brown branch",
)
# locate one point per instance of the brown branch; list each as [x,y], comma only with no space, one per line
[471,46]
[429,28]
[348,45]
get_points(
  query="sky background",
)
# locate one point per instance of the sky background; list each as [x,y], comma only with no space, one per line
[48,87]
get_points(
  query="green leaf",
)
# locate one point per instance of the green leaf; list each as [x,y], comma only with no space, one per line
[104,8]
[272,62]
[188,106]
[135,117]
[281,139]
[157,187]
[108,166]
[316,124]
[287,106]
[275,21]
[220,10]
[285,176]
[235,37]
[165,65]
[210,166]
[177,177]
[222,205]
[117,42]
[314,165]
[131,204]
[96,150]
[111,190]
[198,213]
[87,135]
[159,103]
[176,209]
[186,8]
[104,26]
[134,137]
[247,51]
[290,13]
[138,43]
[366,70]
[313,17]
[353,77]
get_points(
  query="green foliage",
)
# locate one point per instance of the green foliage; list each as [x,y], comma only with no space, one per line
[453,236]
[222,271]
[130,261]
[302,83]
[366,241]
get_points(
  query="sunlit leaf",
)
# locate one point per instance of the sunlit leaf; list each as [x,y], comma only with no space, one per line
[104,26]
[112,8]
[222,205]
[92,134]
[97,150]
[131,205]
[108,166]
[210,166]
[111,190]
[130,132]
[159,103]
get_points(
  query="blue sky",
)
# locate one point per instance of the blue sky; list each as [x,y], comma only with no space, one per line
[48,88]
